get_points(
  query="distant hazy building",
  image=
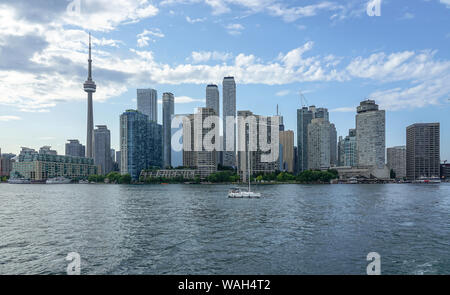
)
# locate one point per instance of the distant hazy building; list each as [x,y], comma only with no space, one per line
[140,143]
[287,143]
[42,166]
[102,149]
[118,159]
[304,117]
[113,155]
[370,135]
[195,154]
[212,98]
[5,164]
[319,151]
[75,149]
[340,151]
[147,103]
[258,165]
[396,161]
[295,159]
[168,112]
[423,151]
[229,110]
[333,145]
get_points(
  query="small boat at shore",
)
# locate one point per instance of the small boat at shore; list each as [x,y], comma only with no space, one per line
[428,180]
[59,180]
[237,193]
[83,182]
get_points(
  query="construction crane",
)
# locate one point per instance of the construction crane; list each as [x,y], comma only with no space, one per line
[303,100]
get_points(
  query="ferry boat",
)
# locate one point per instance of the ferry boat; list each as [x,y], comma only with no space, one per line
[19,181]
[58,180]
[428,180]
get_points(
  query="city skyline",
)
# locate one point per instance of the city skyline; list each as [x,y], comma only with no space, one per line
[382,58]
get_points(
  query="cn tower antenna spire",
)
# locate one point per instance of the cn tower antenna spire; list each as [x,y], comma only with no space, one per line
[90,88]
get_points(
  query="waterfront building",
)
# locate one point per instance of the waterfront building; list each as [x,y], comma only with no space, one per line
[195,153]
[304,117]
[140,143]
[75,149]
[118,159]
[41,166]
[90,88]
[248,133]
[168,112]
[396,161]
[147,103]
[319,151]
[370,135]
[102,149]
[6,161]
[212,98]
[423,151]
[445,171]
[229,110]
[287,143]
[349,146]
[47,150]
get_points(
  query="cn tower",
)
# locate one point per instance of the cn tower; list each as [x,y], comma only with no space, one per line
[90,88]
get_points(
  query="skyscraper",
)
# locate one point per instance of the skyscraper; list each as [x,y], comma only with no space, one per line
[75,149]
[229,110]
[370,135]
[396,161]
[90,88]
[140,143]
[102,149]
[349,149]
[147,103]
[168,111]
[287,142]
[423,151]
[333,146]
[212,98]
[319,151]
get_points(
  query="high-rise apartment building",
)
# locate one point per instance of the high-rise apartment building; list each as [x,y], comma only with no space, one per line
[229,111]
[147,103]
[349,149]
[333,146]
[423,151]
[304,117]
[251,154]
[287,143]
[140,143]
[370,135]
[396,161]
[75,149]
[195,153]
[212,98]
[102,149]
[168,112]
[319,151]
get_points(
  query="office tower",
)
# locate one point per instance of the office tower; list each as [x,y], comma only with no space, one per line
[304,117]
[422,151]
[333,146]
[248,133]
[118,159]
[113,155]
[349,149]
[140,143]
[75,149]
[42,166]
[319,151]
[370,135]
[47,150]
[90,88]
[340,151]
[168,111]
[287,143]
[321,113]
[281,120]
[229,110]
[212,98]
[396,161]
[102,149]
[147,103]
[195,153]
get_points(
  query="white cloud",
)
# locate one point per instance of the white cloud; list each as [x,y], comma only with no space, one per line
[446,2]
[205,56]
[195,20]
[282,93]
[144,37]
[344,110]
[234,29]
[408,15]
[184,99]
[9,118]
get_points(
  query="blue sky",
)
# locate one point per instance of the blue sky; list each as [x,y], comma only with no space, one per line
[331,50]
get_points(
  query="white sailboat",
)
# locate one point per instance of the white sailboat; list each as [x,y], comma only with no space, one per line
[237,193]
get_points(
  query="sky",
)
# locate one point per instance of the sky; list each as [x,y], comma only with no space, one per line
[335,52]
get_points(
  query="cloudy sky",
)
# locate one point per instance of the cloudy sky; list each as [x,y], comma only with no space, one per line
[331,50]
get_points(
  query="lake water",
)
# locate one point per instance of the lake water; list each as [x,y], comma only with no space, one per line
[196,229]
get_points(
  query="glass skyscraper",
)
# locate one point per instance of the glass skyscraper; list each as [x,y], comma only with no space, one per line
[147,103]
